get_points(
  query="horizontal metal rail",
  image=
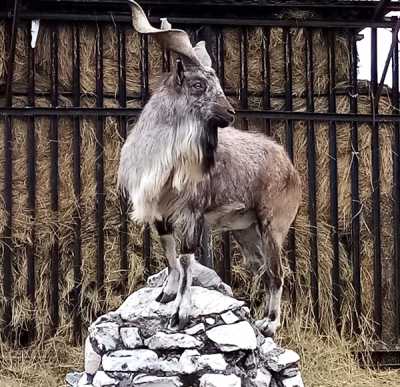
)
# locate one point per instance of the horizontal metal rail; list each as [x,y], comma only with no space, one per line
[250,114]
[126,18]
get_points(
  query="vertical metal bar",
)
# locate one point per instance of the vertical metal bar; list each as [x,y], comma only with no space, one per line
[54,183]
[7,188]
[355,194]
[99,163]
[291,246]
[220,58]
[76,145]
[207,257]
[243,91]
[123,230]
[333,182]
[266,76]
[312,191]
[226,238]
[396,179]
[11,49]
[144,82]
[31,183]
[287,38]
[376,214]
[227,254]
[166,61]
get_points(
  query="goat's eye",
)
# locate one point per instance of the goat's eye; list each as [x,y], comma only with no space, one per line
[197,86]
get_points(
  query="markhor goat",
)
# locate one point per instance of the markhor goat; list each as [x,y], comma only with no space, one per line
[182,163]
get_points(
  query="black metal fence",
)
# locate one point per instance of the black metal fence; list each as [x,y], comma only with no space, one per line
[214,36]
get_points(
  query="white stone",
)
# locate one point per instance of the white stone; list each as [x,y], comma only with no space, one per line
[73,378]
[278,361]
[168,366]
[290,372]
[188,362]
[156,381]
[210,321]
[130,360]
[163,340]
[262,379]
[84,381]
[92,359]
[268,346]
[131,338]
[195,329]
[229,317]
[157,279]
[106,335]
[214,380]
[215,362]
[101,379]
[204,302]
[293,382]
[233,337]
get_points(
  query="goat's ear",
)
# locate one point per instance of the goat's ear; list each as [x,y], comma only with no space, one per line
[202,54]
[180,72]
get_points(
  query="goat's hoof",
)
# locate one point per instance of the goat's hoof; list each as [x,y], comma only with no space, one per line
[179,320]
[164,297]
[174,321]
[267,327]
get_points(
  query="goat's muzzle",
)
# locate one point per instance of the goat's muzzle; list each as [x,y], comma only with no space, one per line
[223,114]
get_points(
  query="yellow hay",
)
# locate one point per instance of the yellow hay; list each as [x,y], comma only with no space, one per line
[48,224]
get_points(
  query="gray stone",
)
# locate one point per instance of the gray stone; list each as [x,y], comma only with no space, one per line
[290,372]
[229,317]
[72,378]
[214,362]
[105,335]
[233,337]
[85,380]
[170,366]
[278,360]
[130,360]
[293,382]
[195,329]
[262,379]
[215,380]
[131,337]
[188,362]
[268,346]
[156,381]
[210,321]
[205,302]
[101,379]
[274,383]
[163,340]
[251,361]
[92,358]
[157,279]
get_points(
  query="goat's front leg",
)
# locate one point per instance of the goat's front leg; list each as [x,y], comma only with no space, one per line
[183,302]
[170,289]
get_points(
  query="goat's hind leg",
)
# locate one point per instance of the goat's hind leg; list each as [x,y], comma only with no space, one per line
[272,241]
[170,289]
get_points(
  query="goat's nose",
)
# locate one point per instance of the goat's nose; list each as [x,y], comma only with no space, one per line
[231,111]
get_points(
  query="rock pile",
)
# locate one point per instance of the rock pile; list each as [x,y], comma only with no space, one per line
[134,346]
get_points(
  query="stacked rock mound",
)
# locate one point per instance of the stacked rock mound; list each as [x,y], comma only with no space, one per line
[221,347]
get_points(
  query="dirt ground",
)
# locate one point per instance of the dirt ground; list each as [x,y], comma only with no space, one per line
[326,362]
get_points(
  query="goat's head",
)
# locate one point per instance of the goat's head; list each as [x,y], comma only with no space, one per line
[193,79]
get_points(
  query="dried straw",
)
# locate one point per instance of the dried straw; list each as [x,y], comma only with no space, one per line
[48,224]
